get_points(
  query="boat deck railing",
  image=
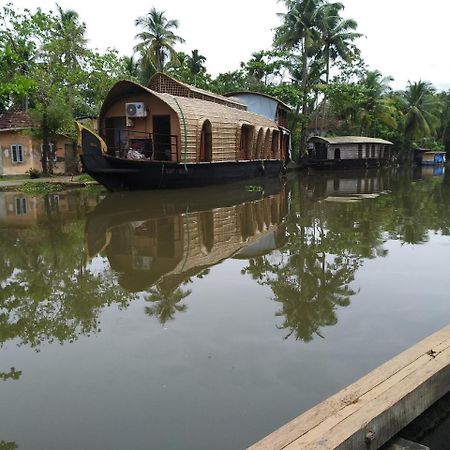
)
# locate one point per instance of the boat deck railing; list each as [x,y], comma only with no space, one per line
[152,146]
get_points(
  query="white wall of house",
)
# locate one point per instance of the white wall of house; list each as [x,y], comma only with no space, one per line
[350,151]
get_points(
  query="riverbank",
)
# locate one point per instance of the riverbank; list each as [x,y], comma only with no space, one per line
[17,183]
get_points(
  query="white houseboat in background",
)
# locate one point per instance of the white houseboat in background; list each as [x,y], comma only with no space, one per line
[348,151]
[427,157]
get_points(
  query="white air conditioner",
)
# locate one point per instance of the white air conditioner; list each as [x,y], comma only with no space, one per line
[135,109]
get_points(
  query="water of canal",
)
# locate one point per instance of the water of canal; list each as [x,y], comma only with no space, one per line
[205,319]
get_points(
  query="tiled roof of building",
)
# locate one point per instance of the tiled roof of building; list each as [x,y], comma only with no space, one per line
[15,120]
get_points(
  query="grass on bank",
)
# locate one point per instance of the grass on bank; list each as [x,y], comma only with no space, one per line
[39,188]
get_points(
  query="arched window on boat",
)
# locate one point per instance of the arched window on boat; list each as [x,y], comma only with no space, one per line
[206,142]
[275,153]
[246,141]
[267,144]
[259,144]
[337,153]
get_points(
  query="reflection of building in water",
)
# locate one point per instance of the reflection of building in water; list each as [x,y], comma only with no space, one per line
[22,211]
[170,249]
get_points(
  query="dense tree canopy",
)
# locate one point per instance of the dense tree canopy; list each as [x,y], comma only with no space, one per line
[314,66]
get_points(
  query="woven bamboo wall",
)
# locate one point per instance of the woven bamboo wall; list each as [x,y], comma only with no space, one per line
[226,122]
[226,128]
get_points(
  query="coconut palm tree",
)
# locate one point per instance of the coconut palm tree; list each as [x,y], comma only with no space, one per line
[71,36]
[131,67]
[337,35]
[422,110]
[378,106]
[157,39]
[299,31]
[196,62]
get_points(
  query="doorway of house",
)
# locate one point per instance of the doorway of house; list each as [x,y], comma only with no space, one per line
[161,138]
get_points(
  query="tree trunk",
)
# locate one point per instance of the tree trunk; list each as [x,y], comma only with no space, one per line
[45,143]
[304,100]
[327,78]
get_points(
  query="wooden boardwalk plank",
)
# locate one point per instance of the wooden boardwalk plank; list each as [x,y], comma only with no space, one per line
[381,403]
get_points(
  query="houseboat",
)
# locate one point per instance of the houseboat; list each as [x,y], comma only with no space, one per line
[427,157]
[347,151]
[170,134]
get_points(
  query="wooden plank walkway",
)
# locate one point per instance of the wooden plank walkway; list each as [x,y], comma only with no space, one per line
[366,414]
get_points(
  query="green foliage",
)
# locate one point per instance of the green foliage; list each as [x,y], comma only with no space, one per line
[33,173]
[157,39]
[85,177]
[13,374]
[8,445]
[37,188]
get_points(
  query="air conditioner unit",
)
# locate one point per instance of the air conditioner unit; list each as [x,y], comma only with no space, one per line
[135,109]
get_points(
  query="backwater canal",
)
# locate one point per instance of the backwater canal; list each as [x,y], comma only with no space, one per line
[205,319]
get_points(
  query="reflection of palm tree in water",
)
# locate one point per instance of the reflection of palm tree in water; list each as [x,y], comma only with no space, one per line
[308,286]
[322,287]
[165,302]
[8,445]
[13,374]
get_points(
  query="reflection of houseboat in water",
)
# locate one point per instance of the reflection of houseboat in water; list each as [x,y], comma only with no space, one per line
[170,134]
[349,184]
[171,239]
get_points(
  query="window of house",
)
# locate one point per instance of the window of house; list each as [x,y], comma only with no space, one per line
[17,153]
[21,206]
[51,151]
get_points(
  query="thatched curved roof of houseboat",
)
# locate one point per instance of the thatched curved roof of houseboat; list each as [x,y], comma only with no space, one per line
[193,112]
[165,84]
[349,140]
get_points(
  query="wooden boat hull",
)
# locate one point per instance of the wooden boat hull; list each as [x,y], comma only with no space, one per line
[118,174]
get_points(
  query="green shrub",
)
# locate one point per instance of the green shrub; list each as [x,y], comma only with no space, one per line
[33,173]
[85,177]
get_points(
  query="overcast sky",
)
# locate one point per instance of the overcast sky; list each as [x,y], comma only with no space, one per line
[406,39]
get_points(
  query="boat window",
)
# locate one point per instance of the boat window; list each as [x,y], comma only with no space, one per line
[259,144]
[206,142]
[275,145]
[373,151]
[267,145]
[360,151]
[246,142]
[337,153]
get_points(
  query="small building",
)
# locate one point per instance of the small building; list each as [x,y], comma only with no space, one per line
[21,152]
[348,151]
[427,157]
